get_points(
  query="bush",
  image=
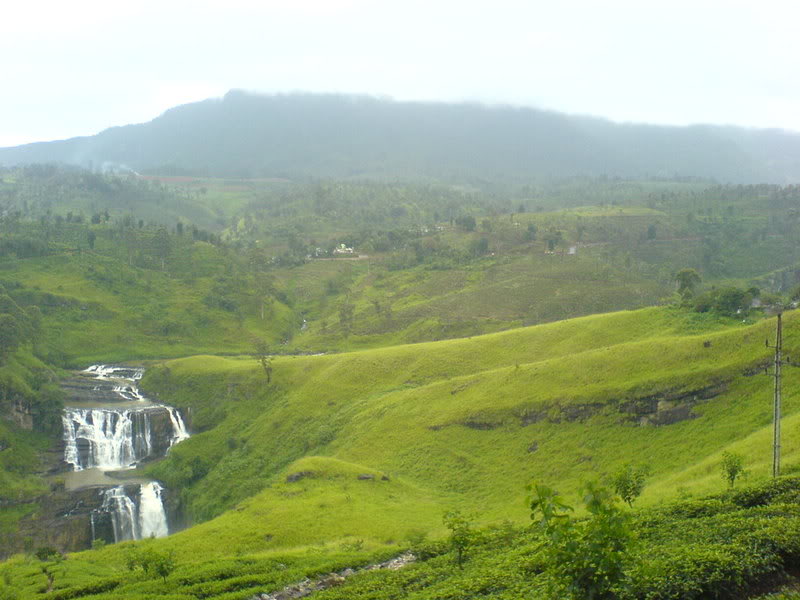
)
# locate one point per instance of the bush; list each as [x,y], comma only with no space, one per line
[586,558]
[461,533]
[628,482]
[732,467]
[150,561]
[46,553]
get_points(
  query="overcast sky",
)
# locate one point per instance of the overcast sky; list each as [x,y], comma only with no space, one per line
[77,67]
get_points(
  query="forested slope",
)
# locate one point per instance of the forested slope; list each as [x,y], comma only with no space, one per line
[302,135]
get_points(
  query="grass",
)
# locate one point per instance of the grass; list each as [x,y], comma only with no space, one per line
[20,466]
[422,304]
[464,423]
[726,546]
[96,308]
[367,449]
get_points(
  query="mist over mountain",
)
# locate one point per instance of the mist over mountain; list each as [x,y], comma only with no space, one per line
[301,136]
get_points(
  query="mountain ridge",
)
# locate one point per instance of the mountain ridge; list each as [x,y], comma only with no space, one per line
[308,136]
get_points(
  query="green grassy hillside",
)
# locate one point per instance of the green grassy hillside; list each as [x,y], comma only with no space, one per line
[467,422]
[343,458]
[97,307]
[346,457]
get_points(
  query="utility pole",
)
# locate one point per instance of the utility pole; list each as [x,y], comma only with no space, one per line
[776,407]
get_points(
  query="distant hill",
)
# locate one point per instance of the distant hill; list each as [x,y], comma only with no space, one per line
[301,136]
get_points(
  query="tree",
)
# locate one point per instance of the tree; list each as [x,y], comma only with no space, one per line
[461,533]
[346,316]
[265,290]
[162,246]
[48,408]
[553,238]
[479,247]
[732,301]
[466,223]
[586,558]
[732,467]
[163,564]
[150,561]
[10,333]
[262,355]
[688,280]
[628,482]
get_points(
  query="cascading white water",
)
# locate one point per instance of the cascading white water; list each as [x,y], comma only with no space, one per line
[123,514]
[110,371]
[117,439]
[132,520]
[179,432]
[128,392]
[152,516]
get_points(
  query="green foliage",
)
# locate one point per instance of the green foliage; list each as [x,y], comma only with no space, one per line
[10,333]
[455,423]
[47,553]
[150,561]
[387,139]
[732,467]
[728,301]
[461,534]
[628,482]
[586,558]
[466,222]
[688,280]
[263,357]
[479,247]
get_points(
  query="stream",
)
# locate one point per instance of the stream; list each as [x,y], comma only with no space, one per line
[110,427]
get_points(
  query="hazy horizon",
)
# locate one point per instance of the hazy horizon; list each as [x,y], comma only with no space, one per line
[82,67]
[383,97]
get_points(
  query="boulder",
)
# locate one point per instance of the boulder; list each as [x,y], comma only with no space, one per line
[292,477]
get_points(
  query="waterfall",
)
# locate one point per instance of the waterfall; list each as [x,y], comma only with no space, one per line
[123,514]
[179,432]
[112,372]
[111,438]
[152,516]
[135,520]
[116,439]
[128,392]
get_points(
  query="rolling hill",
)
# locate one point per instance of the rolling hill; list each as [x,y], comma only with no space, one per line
[343,458]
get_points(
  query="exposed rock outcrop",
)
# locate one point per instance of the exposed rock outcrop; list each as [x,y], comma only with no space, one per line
[307,587]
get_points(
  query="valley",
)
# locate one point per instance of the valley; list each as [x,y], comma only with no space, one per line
[292,381]
[360,300]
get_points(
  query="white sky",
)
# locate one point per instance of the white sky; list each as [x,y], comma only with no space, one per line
[77,67]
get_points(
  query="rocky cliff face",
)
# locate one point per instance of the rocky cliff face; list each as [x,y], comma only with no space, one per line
[108,426]
[70,520]
[61,519]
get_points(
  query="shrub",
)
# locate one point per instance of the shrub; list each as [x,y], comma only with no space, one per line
[585,558]
[461,533]
[732,467]
[628,482]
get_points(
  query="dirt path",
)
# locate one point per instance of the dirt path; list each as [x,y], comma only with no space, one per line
[309,586]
